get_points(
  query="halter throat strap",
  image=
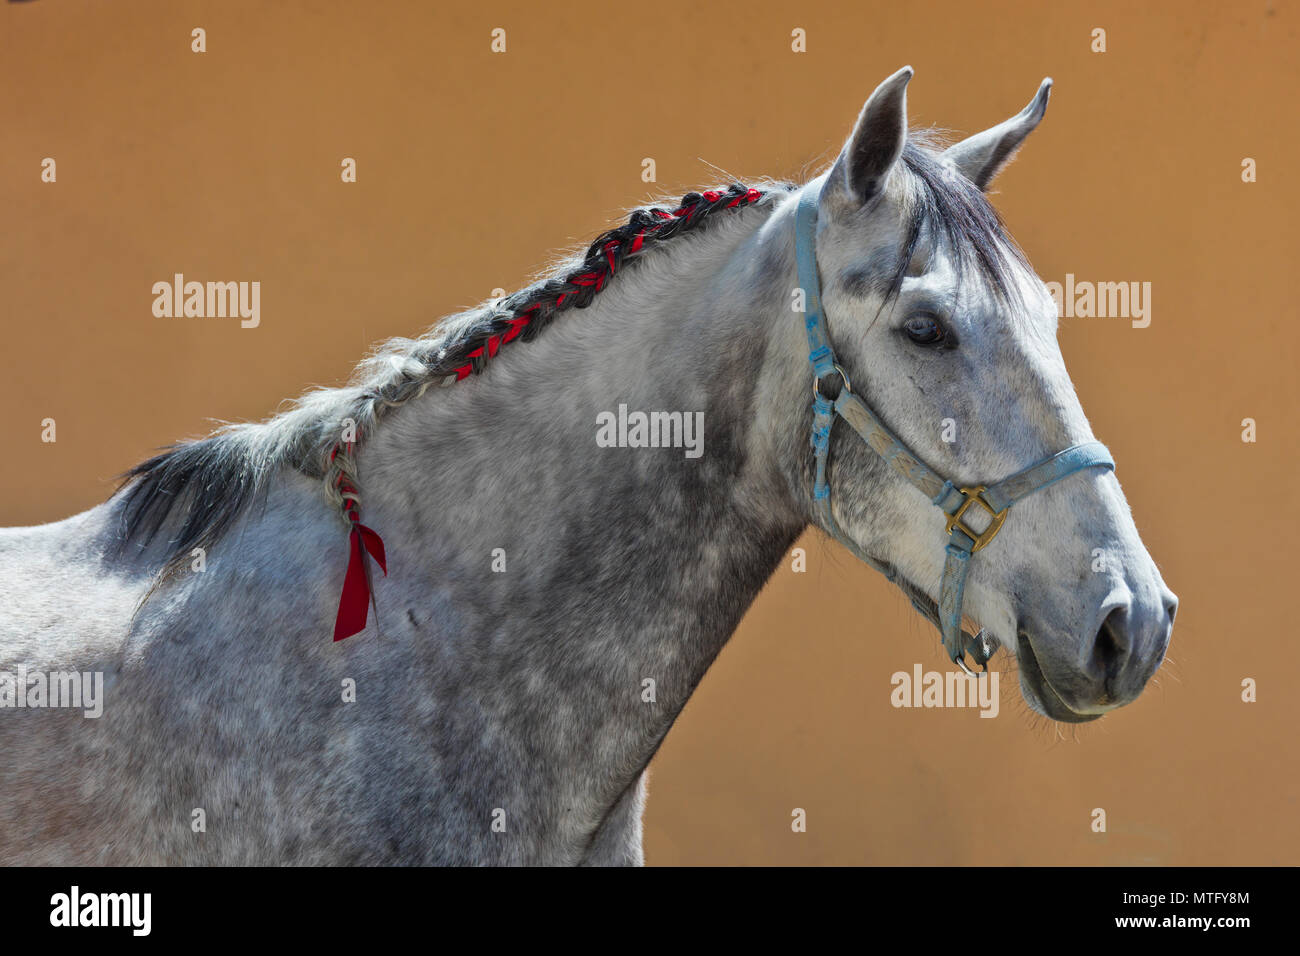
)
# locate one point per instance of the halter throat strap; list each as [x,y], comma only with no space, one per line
[964,539]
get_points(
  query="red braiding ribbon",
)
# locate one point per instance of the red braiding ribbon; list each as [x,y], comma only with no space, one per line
[354,602]
[516,326]
[636,243]
[751,195]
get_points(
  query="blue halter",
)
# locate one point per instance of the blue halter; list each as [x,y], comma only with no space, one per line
[995,500]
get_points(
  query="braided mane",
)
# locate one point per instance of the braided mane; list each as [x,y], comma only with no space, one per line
[524,315]
[218,475]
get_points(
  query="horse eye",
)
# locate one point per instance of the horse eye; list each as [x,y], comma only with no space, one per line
[924,330]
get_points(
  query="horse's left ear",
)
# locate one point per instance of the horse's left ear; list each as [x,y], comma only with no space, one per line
[981,157]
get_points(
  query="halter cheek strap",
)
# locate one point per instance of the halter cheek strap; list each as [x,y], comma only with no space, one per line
[955,502]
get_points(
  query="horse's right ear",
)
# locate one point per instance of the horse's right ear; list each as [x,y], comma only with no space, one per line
[877,142]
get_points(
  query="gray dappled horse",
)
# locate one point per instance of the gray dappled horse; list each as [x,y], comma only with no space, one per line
[535,579]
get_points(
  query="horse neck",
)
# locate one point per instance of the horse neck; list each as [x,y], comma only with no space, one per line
[621,565]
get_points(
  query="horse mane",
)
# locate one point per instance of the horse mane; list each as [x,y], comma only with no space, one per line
[215,478]
[957,216]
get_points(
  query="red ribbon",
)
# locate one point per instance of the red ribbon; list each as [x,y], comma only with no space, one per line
[354,604]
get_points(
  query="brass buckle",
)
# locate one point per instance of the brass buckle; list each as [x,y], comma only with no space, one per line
[995,518]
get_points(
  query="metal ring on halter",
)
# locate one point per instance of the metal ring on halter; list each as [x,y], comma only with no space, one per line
[961,662]
[979,649]
[847,386]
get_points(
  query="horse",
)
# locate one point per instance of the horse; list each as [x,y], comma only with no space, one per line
[530,555]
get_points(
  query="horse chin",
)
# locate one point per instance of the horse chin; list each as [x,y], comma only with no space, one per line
[928,607]
[1037,690]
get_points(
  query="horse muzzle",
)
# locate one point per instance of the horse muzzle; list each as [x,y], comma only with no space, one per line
[1116,663]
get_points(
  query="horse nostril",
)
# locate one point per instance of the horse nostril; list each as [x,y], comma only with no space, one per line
[1171,608]
[1112,647]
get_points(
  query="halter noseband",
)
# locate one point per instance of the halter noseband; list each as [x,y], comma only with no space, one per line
[955,502]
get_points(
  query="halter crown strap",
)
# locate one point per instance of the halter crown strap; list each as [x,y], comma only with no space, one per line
[805,254]
[955,502]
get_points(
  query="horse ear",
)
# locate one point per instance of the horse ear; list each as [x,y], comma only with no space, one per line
[981,157]
[877,140]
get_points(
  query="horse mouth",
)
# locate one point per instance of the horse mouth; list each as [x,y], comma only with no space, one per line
[1038,690]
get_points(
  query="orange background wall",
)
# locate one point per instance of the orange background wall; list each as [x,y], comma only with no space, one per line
[474,167]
